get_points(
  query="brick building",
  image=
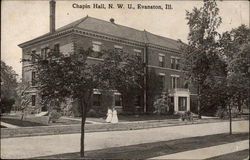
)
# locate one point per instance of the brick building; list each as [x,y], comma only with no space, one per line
[159,53]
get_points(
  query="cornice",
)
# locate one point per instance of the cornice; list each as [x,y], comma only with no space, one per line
[46,37]
[97,35]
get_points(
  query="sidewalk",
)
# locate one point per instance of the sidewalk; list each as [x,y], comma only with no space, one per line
[9,125]
[208,152]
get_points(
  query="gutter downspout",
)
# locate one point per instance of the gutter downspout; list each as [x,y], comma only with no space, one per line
[145,109]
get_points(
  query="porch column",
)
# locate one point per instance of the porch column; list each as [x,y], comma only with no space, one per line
[188,103]
[176,103]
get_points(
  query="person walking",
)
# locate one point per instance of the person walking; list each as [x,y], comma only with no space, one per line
[114,116]
[109,116]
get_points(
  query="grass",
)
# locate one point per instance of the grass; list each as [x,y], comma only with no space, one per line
[32,121]
[21,123]
[240,155]
[150,150]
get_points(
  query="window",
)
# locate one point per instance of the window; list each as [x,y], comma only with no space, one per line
[161,79]
[33,100]
[175,63]
[57,49]
[137,52]
[118,48]
[33,58]
[44,52]
[161,60]
[96,46]
[118,100]
[33,78]
[97,99]
[175,81]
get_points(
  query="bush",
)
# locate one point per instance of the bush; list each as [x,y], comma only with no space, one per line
[92,113]
[222,113]
[6,105]
[187,116]
[54,116]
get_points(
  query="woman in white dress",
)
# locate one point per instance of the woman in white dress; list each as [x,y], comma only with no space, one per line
[109,116]
[114,116]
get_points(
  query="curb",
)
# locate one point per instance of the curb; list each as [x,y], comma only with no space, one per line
[75,129]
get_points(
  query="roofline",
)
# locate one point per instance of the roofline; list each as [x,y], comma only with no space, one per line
[72,28]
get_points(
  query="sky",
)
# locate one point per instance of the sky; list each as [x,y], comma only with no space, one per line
[24,20]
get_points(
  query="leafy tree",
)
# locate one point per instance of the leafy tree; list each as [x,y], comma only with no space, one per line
[66,76]
[23,99]
[154,89]
[8,87]
[202,61]
[60,77]
[235,45]
[123,72]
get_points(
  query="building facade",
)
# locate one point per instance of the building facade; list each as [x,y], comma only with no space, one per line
[161,54]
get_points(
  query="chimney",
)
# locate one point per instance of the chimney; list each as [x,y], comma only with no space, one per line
[112,20]
[52,4]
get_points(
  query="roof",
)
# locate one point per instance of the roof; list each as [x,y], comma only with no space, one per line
[113,29]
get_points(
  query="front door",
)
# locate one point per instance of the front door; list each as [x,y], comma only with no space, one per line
[182,103]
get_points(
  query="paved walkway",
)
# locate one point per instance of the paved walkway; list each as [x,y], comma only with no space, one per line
[28,147]
[9,125]
[79,119]
[208,152]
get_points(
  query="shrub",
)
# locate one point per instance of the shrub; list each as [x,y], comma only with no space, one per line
[222,113]
[92,113]
[54,116]
[187,116]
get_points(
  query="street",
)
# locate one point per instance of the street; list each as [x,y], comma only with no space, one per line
[28,147]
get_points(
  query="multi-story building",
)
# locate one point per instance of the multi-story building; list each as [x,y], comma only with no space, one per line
[159,53]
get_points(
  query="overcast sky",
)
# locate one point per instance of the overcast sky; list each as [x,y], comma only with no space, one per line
[24,20]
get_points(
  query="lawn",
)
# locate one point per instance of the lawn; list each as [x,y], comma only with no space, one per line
[32,121]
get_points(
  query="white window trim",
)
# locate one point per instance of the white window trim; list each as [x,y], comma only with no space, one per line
[118,47]
[137,50]
[117,93]
[175,57]
[160,54]
[96,42]
[96,91]
[162,74]
[174,75]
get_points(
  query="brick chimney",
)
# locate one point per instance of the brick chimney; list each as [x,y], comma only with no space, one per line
[52,4]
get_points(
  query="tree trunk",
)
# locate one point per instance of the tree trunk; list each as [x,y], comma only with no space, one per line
[230,120]
[199,103]
[84,110]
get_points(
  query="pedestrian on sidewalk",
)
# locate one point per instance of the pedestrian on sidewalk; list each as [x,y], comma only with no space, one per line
[114,116]
[109,115]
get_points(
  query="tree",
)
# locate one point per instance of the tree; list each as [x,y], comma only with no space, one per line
[71,76]
[154,89]
[23,97]
[8,87]
[201,59]
[123,72]
[66,76]
[235,45]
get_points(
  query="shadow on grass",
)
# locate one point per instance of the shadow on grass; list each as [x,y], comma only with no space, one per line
[149,150]
[240,155]
[21,123]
